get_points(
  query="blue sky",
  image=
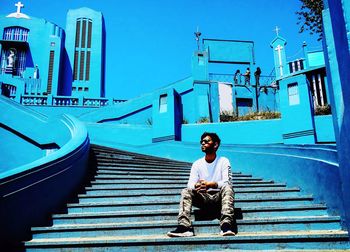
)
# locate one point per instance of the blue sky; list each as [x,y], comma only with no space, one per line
[150,42]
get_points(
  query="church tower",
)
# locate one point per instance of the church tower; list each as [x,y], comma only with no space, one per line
[279,54]
[85,45]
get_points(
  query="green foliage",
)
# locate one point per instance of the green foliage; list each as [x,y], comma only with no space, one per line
[149,121]
[263,115]
[184,121]
[203,120]
[310,17]
[323,110]
[227,116]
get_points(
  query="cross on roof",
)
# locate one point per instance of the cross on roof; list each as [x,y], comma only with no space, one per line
[19,6]
[277,29]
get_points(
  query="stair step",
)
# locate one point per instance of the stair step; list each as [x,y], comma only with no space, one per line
[155,178]
[143,204]
[153,174]
[131,160]
[144,191]
[125,154]
[154,228]
[149,183]
[317,239]
[143,169]
[164,205]
[144,166]
[108,215]
[176,184]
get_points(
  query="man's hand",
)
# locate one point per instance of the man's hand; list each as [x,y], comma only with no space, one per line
[202,186]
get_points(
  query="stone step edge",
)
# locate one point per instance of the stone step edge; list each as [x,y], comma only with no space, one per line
[162,189]
[170,224]
[138,165]
[183,184]
[133,154]
[308,197]
[159,177]
[145,203]
[271,237]
[175,211]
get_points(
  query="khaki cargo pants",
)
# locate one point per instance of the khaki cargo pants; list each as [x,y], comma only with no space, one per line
[190,197]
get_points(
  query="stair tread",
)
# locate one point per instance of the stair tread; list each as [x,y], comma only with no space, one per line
[240,237]
[161,187]
[287,219]
[172,211]
[265,198]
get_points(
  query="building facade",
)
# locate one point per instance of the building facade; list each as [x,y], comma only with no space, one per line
[40,60]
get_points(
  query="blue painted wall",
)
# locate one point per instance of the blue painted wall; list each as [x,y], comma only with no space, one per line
[297,115]
[106,134]
[244,132]
[324,129]
[336,20]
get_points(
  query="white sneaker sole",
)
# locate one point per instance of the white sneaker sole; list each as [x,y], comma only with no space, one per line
[186,234]
[228,233]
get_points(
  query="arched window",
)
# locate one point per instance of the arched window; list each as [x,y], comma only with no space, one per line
[16,33]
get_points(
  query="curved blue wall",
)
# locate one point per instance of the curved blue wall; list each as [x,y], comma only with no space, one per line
[33,188]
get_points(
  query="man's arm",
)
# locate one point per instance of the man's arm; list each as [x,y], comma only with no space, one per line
[194,177]
[225,167]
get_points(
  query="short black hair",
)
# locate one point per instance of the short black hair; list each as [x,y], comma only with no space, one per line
[213,136]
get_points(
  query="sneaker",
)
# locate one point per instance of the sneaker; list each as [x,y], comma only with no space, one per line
[226,230]
[181,231]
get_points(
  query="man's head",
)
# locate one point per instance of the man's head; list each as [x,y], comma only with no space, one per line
[210,142]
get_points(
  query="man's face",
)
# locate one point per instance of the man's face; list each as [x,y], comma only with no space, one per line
[207,145]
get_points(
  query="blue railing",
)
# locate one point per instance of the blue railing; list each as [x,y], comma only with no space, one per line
[265,80]
[67,101]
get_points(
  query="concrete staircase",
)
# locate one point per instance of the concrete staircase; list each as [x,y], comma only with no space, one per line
[133,201]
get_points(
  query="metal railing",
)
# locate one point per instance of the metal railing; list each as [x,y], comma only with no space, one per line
[265,80]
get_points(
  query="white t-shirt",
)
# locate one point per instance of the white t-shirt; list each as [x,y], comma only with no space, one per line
[217,171]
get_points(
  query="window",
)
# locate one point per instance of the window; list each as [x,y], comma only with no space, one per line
[163,106]
[293,94]
[77,33]
[318,88]
[296,65]
[82,55]
[80,89]
[51,64]
[15,33]
[86,89]
[243,105]
[82,58]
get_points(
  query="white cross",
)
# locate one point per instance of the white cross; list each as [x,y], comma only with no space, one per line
[279,50]
[277,30]
[19,6]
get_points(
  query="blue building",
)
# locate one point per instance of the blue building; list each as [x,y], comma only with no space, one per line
[86,53]
[40,61]
[307,147]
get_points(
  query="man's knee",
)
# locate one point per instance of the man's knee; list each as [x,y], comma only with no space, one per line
[186,193]
[226,188]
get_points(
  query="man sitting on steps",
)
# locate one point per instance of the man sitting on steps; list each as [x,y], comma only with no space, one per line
[209,185]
